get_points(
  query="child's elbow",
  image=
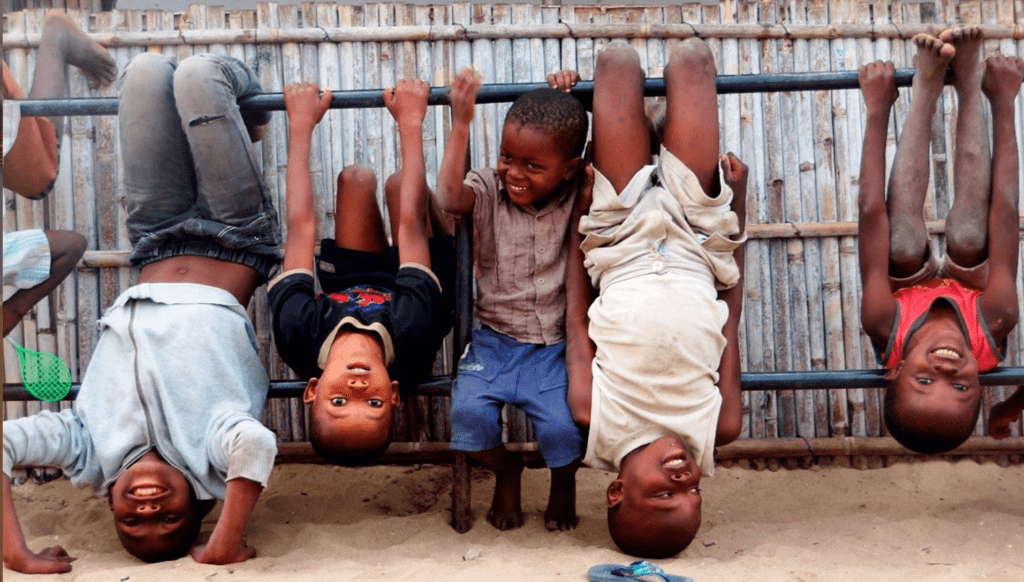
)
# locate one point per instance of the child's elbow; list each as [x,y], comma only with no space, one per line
[581,417]
[728,430]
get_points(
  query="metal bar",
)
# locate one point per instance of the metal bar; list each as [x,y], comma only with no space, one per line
[801,380]
[495,93]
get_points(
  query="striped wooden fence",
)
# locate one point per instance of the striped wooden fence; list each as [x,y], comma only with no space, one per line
[801,308]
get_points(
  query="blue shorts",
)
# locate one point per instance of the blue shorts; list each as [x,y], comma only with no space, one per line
[497,370]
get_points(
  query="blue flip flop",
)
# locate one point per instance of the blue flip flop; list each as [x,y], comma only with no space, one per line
[637,571]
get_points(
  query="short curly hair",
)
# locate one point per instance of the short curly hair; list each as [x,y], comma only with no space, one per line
[556,113]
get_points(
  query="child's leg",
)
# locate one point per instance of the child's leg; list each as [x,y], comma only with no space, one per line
[560,514]
[966,228]
[66,248]
[621,138]
[229,180]
[63,43]
[358,224]
[439,223]
[908,182]
[506,510]
[159,179]
[30,167]
[691,118]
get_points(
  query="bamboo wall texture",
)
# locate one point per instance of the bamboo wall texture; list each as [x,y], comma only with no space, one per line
[802,287]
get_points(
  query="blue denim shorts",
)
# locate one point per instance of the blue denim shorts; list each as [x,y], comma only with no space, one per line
[497,370]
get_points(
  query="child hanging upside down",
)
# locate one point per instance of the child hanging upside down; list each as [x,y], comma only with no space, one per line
[658,381]
[166,422]
[384,312]
[936,321]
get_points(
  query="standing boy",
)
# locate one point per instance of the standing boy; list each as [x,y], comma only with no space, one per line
[383,314]
[520,216]
[658,381]
[936,322]
[166,420]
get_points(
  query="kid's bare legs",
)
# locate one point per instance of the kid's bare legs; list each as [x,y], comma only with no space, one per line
[63,43]
[66,248]
[966,225]
[908,182]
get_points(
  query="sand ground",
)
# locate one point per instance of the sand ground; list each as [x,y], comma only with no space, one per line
[919,521]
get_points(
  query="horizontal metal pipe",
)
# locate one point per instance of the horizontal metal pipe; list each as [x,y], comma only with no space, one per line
[797,380]
[494,93]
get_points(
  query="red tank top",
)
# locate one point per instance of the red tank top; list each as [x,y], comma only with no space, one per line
[914,303]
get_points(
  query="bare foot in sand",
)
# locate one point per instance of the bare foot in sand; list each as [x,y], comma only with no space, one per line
[561,512]
[506,507]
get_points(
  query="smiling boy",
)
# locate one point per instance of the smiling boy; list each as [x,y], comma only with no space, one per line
[653,358]
[382,314]
[937,321]
[166,421]
[520,214]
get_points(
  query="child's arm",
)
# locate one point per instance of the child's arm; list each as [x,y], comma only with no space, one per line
[1002,414]
[305,107]
[407,103]
[730,418]
[453,196]
[1001,83]
[226,545]
[17,556]
[579,293]
[878,308]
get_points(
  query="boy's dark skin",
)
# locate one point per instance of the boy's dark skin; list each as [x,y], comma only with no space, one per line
[354,396]
[144,521]
[937,381]
[31,165]
[534,168]
[622,146]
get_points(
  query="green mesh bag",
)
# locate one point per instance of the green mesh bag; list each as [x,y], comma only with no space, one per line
[44,375]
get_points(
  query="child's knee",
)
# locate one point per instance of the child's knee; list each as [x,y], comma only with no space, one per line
[968,243]
[691,56]
[147,71]
[357,181]
[618,57]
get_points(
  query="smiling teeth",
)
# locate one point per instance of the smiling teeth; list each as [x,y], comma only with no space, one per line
[946,353]
[674,463]
[145,491]
[360,369]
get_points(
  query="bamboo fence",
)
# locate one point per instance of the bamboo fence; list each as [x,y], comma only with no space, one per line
[801,309]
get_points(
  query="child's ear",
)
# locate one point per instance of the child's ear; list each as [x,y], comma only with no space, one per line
[395,398]
[572,167]
[309,395]
[615,493]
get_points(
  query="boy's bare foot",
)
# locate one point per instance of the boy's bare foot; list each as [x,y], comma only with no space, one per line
[1002,78]
[506,508]
[878,86]
[932,60]
[69,44]
[561,512]
[966,62]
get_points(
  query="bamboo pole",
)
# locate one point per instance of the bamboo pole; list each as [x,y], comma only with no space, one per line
[456,32]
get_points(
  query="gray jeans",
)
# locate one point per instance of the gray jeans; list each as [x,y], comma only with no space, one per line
[193,183]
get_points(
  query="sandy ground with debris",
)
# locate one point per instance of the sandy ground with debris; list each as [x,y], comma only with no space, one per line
[920,521]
